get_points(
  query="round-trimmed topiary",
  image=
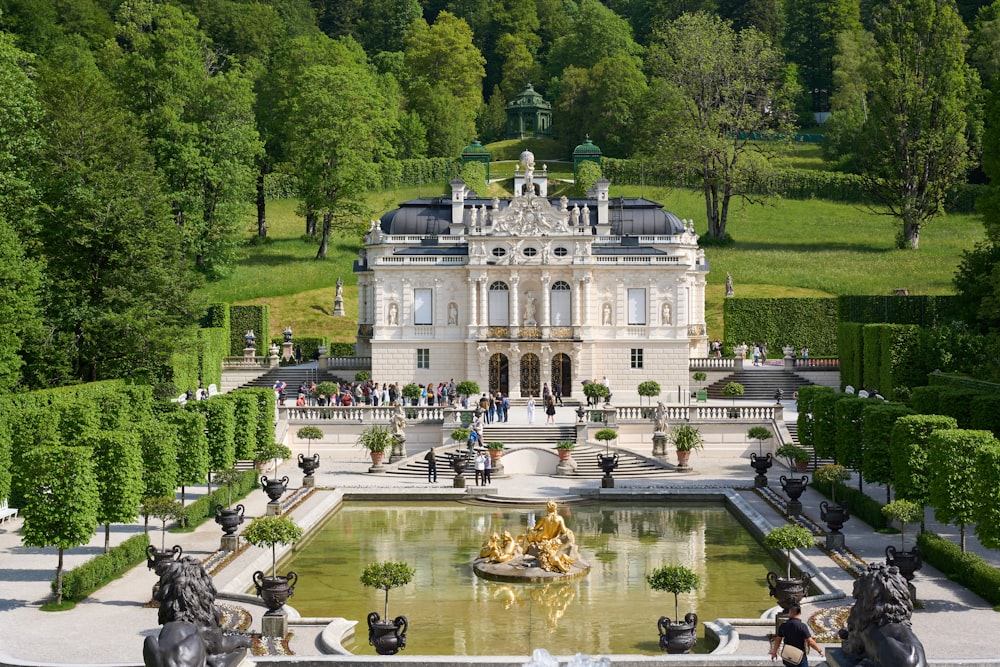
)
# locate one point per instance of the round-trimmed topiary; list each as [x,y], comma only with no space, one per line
[788,537]
[386,575]
[674,579]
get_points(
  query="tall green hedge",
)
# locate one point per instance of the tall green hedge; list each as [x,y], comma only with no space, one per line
[871,371]
[217,315]
[192,445]
[341,349]
[806,408]
[850,350]
[925,311]
[957,403]
[220,421]
[926,400]
[249,318]
[985,413]
[900,366]
[81,581]
[908,454]
[876,461]
[213,346]
[5,455]
[780,322]
[246,413]
[184,369]
[431,172]
[159,442]
[825,424]
[849,417]
[266,406]
[953,490]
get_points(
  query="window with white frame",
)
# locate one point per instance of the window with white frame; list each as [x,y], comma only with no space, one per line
[560,304]
[499,315]
[636,357]
[636,306]
[423,357]
[423,306]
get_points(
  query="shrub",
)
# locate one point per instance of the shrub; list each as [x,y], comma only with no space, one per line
[796,322]
[967,569]
[386,575]
[863,506]
[203,509]
[850,346]
[674,579]
[249,318]
[788,537]
[806,407]
[908,454]
[876,456]
[81,581]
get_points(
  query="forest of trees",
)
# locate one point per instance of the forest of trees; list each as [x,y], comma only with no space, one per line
[136,135]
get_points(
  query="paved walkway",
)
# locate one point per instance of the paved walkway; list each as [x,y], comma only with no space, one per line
[109,627]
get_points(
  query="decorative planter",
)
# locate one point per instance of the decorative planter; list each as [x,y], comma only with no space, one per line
[908,562]
[308,465]
[835,516]
[388,637]
[458,463]
[761,464]
[230,520]
[683,456]
[275,591]
[495,455]
[377,458]
[564,454]
[802,466]
[678,637]
[158,561]
[793,488]
[607,463]
[274,488]
[787,592]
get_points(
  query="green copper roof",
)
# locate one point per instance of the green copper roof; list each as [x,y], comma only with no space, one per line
[587,148]
[475,148]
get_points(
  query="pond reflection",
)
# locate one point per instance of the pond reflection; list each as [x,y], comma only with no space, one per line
[451,611]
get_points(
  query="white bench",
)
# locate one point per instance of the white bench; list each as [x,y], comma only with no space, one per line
[7,512]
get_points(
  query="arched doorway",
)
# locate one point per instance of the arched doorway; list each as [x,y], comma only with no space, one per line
[499,374]
[562,372]
[530,375]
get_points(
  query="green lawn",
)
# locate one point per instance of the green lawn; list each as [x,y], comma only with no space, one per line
[786,248]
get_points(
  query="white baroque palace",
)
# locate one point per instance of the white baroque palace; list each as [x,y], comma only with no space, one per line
[521,292]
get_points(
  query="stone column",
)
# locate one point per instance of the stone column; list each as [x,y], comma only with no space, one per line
[586,300]
[546,304]
[473,311]
[483,318]
[514,307]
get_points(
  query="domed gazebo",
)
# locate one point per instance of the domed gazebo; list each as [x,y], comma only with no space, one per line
[583,152]
[476,152]
[528,115]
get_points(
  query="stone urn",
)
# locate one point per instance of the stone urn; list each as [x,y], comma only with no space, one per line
[309,464]
[607,463]
[761,464]
[793,488]
[787,592]
[835,517]
[458,463]
[158,561]
[678,637]
[229,519]
[908,562]
[274,488]
[388,637]
[275,591]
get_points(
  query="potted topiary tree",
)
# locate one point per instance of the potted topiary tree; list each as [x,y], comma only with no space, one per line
[796,456]
[411,392]
[229,519]
[467,388]
[732,390]
[758,461]
[274,487]
[903,511]
[786,590]
[388,637]
[833,514]
[685,439]
[270,531]
[607,461]
[377,439]
[163,508]
[676,636]
[327,388]
[648,389]
[699,377]
[595,391]
[310,461]
[362,376]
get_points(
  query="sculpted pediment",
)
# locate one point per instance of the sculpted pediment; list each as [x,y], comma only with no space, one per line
[530,216]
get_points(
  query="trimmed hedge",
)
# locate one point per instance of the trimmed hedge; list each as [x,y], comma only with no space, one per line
[900,365]
[861,505]
[806,409]
[925,311]
[217,315]
[850,350]
[967,569]
[81,581]
[780,322]
[926,400]
[985,413]
[825,424]
[220,421]
[246,413]
[249,318]
[184,367]
[879,420]
[908,454]
[266,407]
[213,346]
[871,370]
[341,349]
[849,418]
[203,509]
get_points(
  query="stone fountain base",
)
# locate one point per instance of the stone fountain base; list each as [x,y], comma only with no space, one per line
[525,570]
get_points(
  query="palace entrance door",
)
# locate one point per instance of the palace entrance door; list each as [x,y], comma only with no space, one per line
[562,372]
[530,375]
[499,374]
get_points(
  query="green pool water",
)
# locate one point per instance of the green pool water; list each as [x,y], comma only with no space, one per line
[453,612]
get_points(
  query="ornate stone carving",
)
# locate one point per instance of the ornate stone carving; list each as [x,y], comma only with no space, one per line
[529,216]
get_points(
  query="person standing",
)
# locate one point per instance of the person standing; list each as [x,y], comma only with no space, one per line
[487,468]
[491,411]
[432,469]
[531,410]
[805,355]
[550,411]
[505,404]
[557,392]
[797,634]
[480,468]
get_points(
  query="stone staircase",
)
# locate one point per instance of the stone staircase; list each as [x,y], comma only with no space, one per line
[793,430]
[292,375]
[760,384]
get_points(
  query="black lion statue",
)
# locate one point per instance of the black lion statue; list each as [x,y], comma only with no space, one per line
[879,633]
[192,634]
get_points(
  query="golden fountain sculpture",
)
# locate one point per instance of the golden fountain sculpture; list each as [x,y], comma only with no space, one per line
[548,550]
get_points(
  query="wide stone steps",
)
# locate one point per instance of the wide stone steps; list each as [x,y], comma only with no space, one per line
[793,430]
[759,384]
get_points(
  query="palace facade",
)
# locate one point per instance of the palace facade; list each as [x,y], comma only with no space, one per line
[520,292]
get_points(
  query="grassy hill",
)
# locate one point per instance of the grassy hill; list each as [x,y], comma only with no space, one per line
[784,249]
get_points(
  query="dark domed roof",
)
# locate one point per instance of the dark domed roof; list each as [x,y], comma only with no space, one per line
[529,98]
[641,217]
[475,148]
[587,148]
[422,217]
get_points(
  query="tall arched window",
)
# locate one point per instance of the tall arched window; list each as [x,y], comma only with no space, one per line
[560,300]
[499,315]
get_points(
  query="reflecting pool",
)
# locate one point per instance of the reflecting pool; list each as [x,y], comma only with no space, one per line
[451,611]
